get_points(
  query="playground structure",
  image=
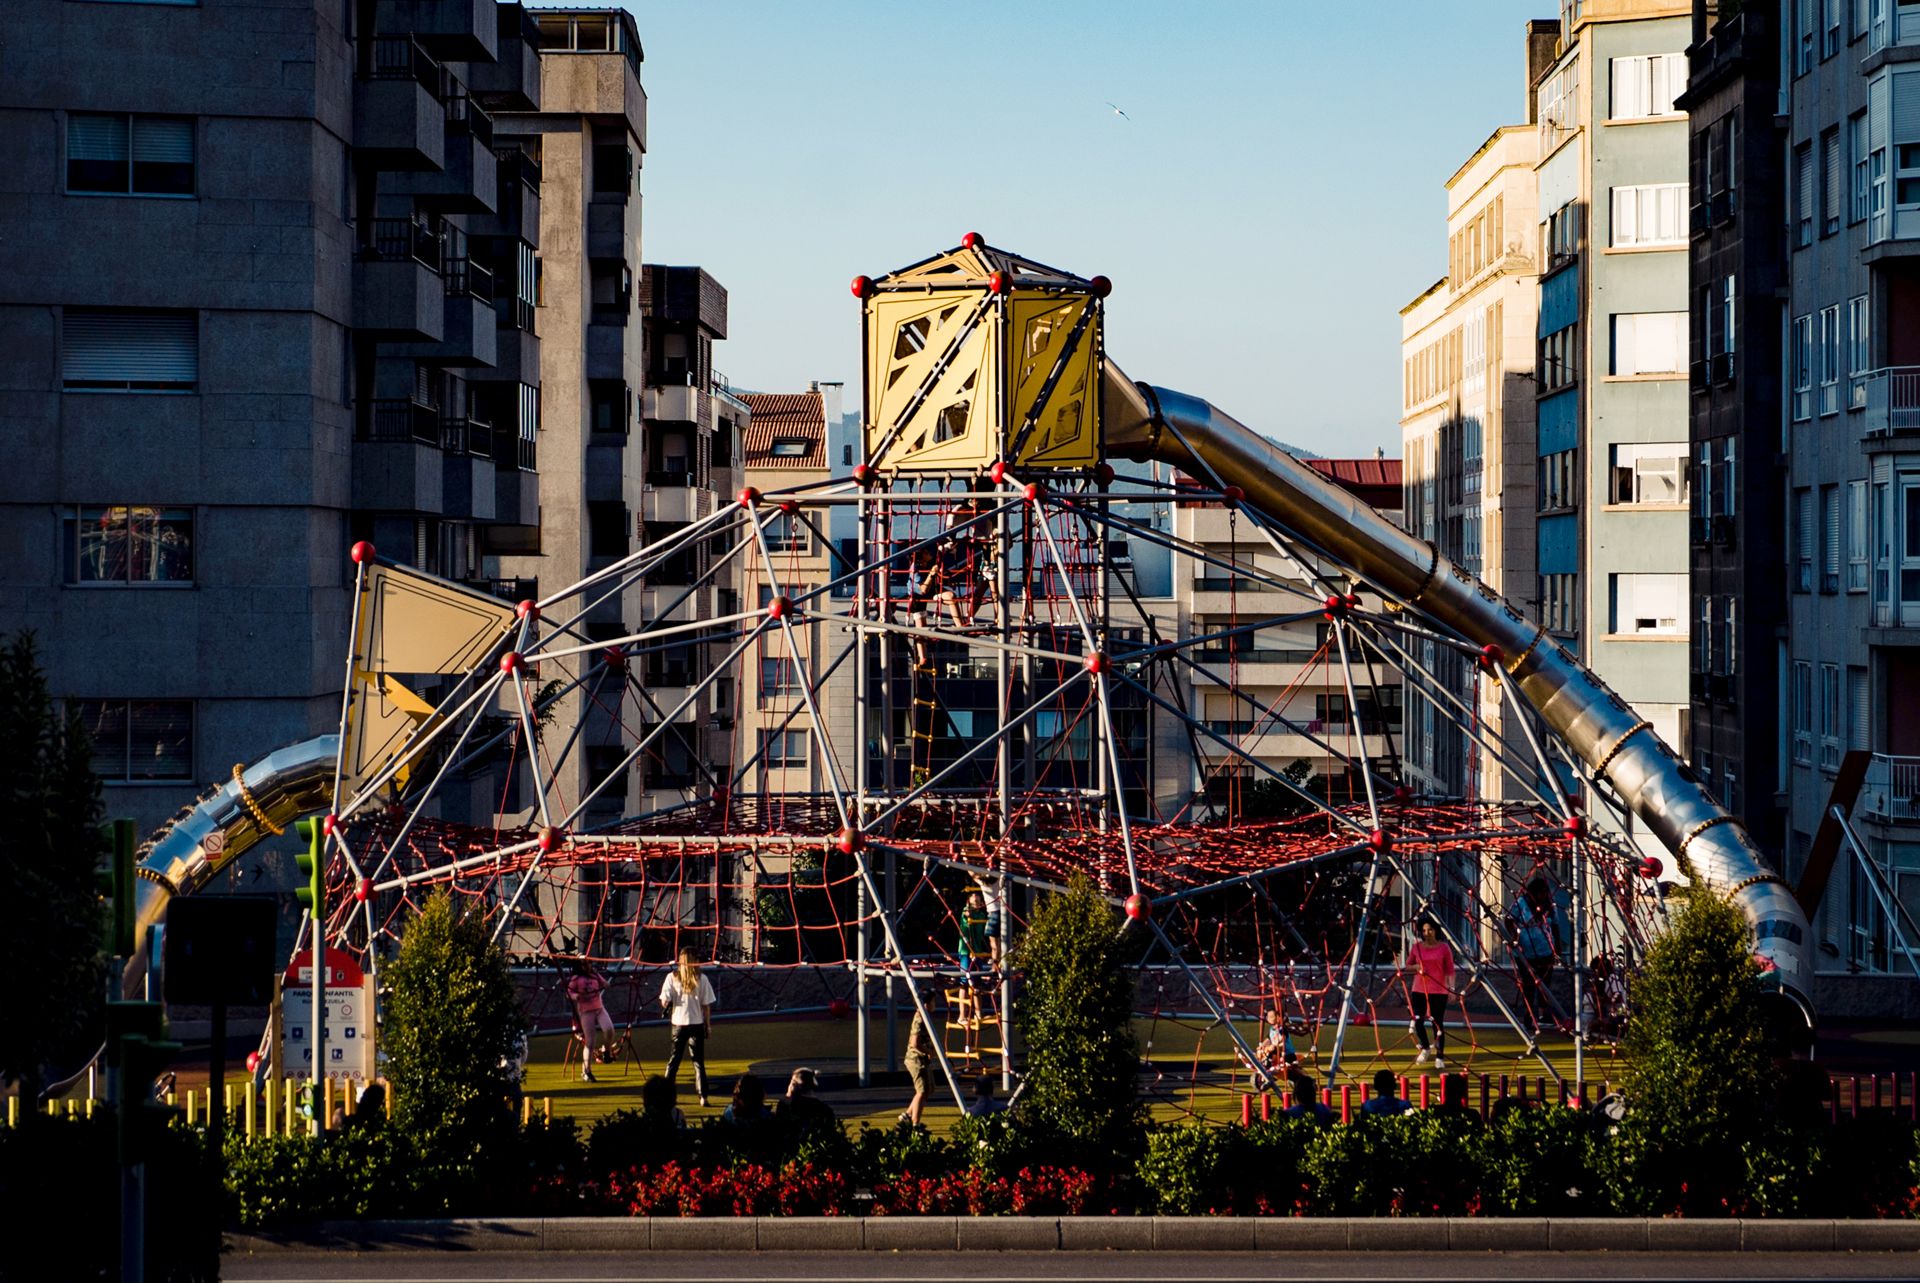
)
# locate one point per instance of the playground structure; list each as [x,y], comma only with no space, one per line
[1005,457]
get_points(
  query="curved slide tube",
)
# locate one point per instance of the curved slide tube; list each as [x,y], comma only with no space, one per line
[1708,846]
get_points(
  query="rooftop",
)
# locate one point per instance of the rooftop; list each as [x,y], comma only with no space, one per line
[788,430]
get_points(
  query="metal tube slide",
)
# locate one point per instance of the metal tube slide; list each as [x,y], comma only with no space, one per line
[1707,846]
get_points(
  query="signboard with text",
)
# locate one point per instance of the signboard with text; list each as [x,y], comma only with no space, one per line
[349,1031]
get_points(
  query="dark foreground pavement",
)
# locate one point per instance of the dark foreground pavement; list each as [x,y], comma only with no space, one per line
[1057,1267]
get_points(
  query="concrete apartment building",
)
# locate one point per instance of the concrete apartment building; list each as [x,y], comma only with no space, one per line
[280,298]
[1242,687]
[1467,435]
[1850,95]
[1737,528]
[1612,416]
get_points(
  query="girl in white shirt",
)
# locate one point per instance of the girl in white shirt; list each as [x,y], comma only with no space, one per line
[687,998]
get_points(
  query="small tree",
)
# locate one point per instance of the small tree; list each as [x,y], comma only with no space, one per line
[1075,1018]
[1698,1072]
[451,1028]
[52,944]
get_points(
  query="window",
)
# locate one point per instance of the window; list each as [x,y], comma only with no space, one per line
[787,533]
[1802,711]
[1730,480]
[1650,215]
[1559,359]
[1559,480]
[1558,104]
[1857,167]
[1563,234]
[1802,39]
[779,676]
[1330,710]
[1705,486]
[790,447]
[1703,633]
[612,170]
[122,155]
[606,528]
[612,406]
[1803,539]
[1730,635]
[108,351]
[1560,602]
[1801,362]
[139,740]
[781,749]
[1829,28]
[1828,354]
[1830,198]
[1829,539]
[1803,195]
[1649,343]
[1647,605]
[1728,311]
[1646,86]
[1906,176]
[1859,711]
[1859,337]
[1716,151]
[128,545]
[1831,731]
[1857,554]
[1648,474]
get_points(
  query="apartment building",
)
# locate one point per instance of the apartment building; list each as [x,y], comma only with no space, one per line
[1467,431]
[1277,696]
[280,296]
[1850,660]
[1612,411]
[1737,522]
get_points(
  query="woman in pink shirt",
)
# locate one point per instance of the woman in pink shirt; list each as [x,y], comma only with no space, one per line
[591,1018]
[1431,960]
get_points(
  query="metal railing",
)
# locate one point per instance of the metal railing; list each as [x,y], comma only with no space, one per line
[1892,788]
[469,279]
[514,451]
[1893,400]
[516,165]
[507,589]
[467,436]
[1255,655]
[396,240]
[402,58]
[468,116]
[1227,583]
[399,419]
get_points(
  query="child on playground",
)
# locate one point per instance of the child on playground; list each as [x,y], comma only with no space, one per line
[584,990]
[1431,960]
[1276,1049]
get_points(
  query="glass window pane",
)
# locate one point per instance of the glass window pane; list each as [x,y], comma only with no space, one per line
[96,153]
[105,721]
[160,740]
[102,540]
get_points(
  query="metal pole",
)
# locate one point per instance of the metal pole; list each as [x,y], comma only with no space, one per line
[1353,968]
[1003,771]
[860,590]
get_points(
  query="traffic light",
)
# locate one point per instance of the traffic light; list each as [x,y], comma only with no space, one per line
[138,1048]
[313,864]
[117,887]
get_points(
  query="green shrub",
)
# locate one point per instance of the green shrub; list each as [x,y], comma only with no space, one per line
[1698,1070]
[887,1154]
[1547,1161]
[1075,1016]
[345,1175]
[1183,1168]
[1414,1164]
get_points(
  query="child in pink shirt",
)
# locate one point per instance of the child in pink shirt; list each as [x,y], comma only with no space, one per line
[1431,960]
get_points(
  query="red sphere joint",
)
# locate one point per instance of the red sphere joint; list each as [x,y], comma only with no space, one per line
[1380,840]
[512,662]
[998,472]
[1098,663]
[779,608]
[1035,492]
[862,474]
[1103,476]
[1650,868]
[1138,907]
[528,610]
[361,553]
[614,657]
[1336,607]
[1401,793]
[973,240]
[253,1062]
[862,287]
[550,838]
[1490,656]
[1234,494]
[1000,283]
[1101,286]
[328,823]
[849,841]
[363,890]
[748,496]
[1576,826]
[789,507]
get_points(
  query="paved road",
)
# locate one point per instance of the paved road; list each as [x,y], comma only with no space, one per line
[1060,1267]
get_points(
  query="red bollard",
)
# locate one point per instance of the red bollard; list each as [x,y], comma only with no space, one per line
[1853,1094]
[1584,1103]
[1563,1093]
[1403,1086]
[1246,1110]
[1286,1101]
[1833,1100]
[1423,1091]
[1486,1102]
[1346,1102]
[1503,1086]
[1913,1095]
[1542,1097]
[1266,1106]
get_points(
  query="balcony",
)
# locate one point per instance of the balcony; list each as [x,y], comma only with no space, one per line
[454,30]
[473,336]
[607,231]
[672,404]
[672,498]
[1891,793]
[397,461]
[515,590]
[468,181]
[512,83]
[469,489]
[399,108]
[516,197]
[1892,401]
[607,350]
[397,290]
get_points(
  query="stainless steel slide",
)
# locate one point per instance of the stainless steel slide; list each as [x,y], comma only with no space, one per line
[1708,847]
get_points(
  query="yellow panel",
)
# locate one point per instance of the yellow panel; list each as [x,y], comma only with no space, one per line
[414,623]
[954,427]
[1066,432]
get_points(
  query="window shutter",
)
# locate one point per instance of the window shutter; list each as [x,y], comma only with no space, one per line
[1859,710]
[96,137]
[1906,108]
[1830,517]
[114,348]
[1803,176]
[162,140]
[1830,146]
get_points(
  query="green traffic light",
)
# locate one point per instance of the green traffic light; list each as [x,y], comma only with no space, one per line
[310,863]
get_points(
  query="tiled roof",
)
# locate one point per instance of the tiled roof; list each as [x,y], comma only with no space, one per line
[1375,480]
[783,416]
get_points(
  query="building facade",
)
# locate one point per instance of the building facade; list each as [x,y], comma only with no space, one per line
[1467,436]
[1612,414]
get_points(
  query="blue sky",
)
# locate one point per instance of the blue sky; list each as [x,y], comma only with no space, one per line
[1273,201]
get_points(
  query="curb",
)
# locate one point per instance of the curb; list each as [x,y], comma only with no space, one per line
[1083,1233]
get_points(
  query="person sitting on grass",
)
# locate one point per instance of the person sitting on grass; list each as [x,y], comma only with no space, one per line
[982,1102]
[1386,1099]
[1306,1099]
[1453,1097]
[802,1112]
[749,1105]
[658,1109]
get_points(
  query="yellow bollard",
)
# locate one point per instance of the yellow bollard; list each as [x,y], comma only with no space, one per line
[387,1096]
[73,1107]
[226,1102]
[13,1111]
[89,1107]
[546,1109]
[287,1094]
[526,1110]
[273,1105]
[247,1093]
[326,1101]
[193,1098]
